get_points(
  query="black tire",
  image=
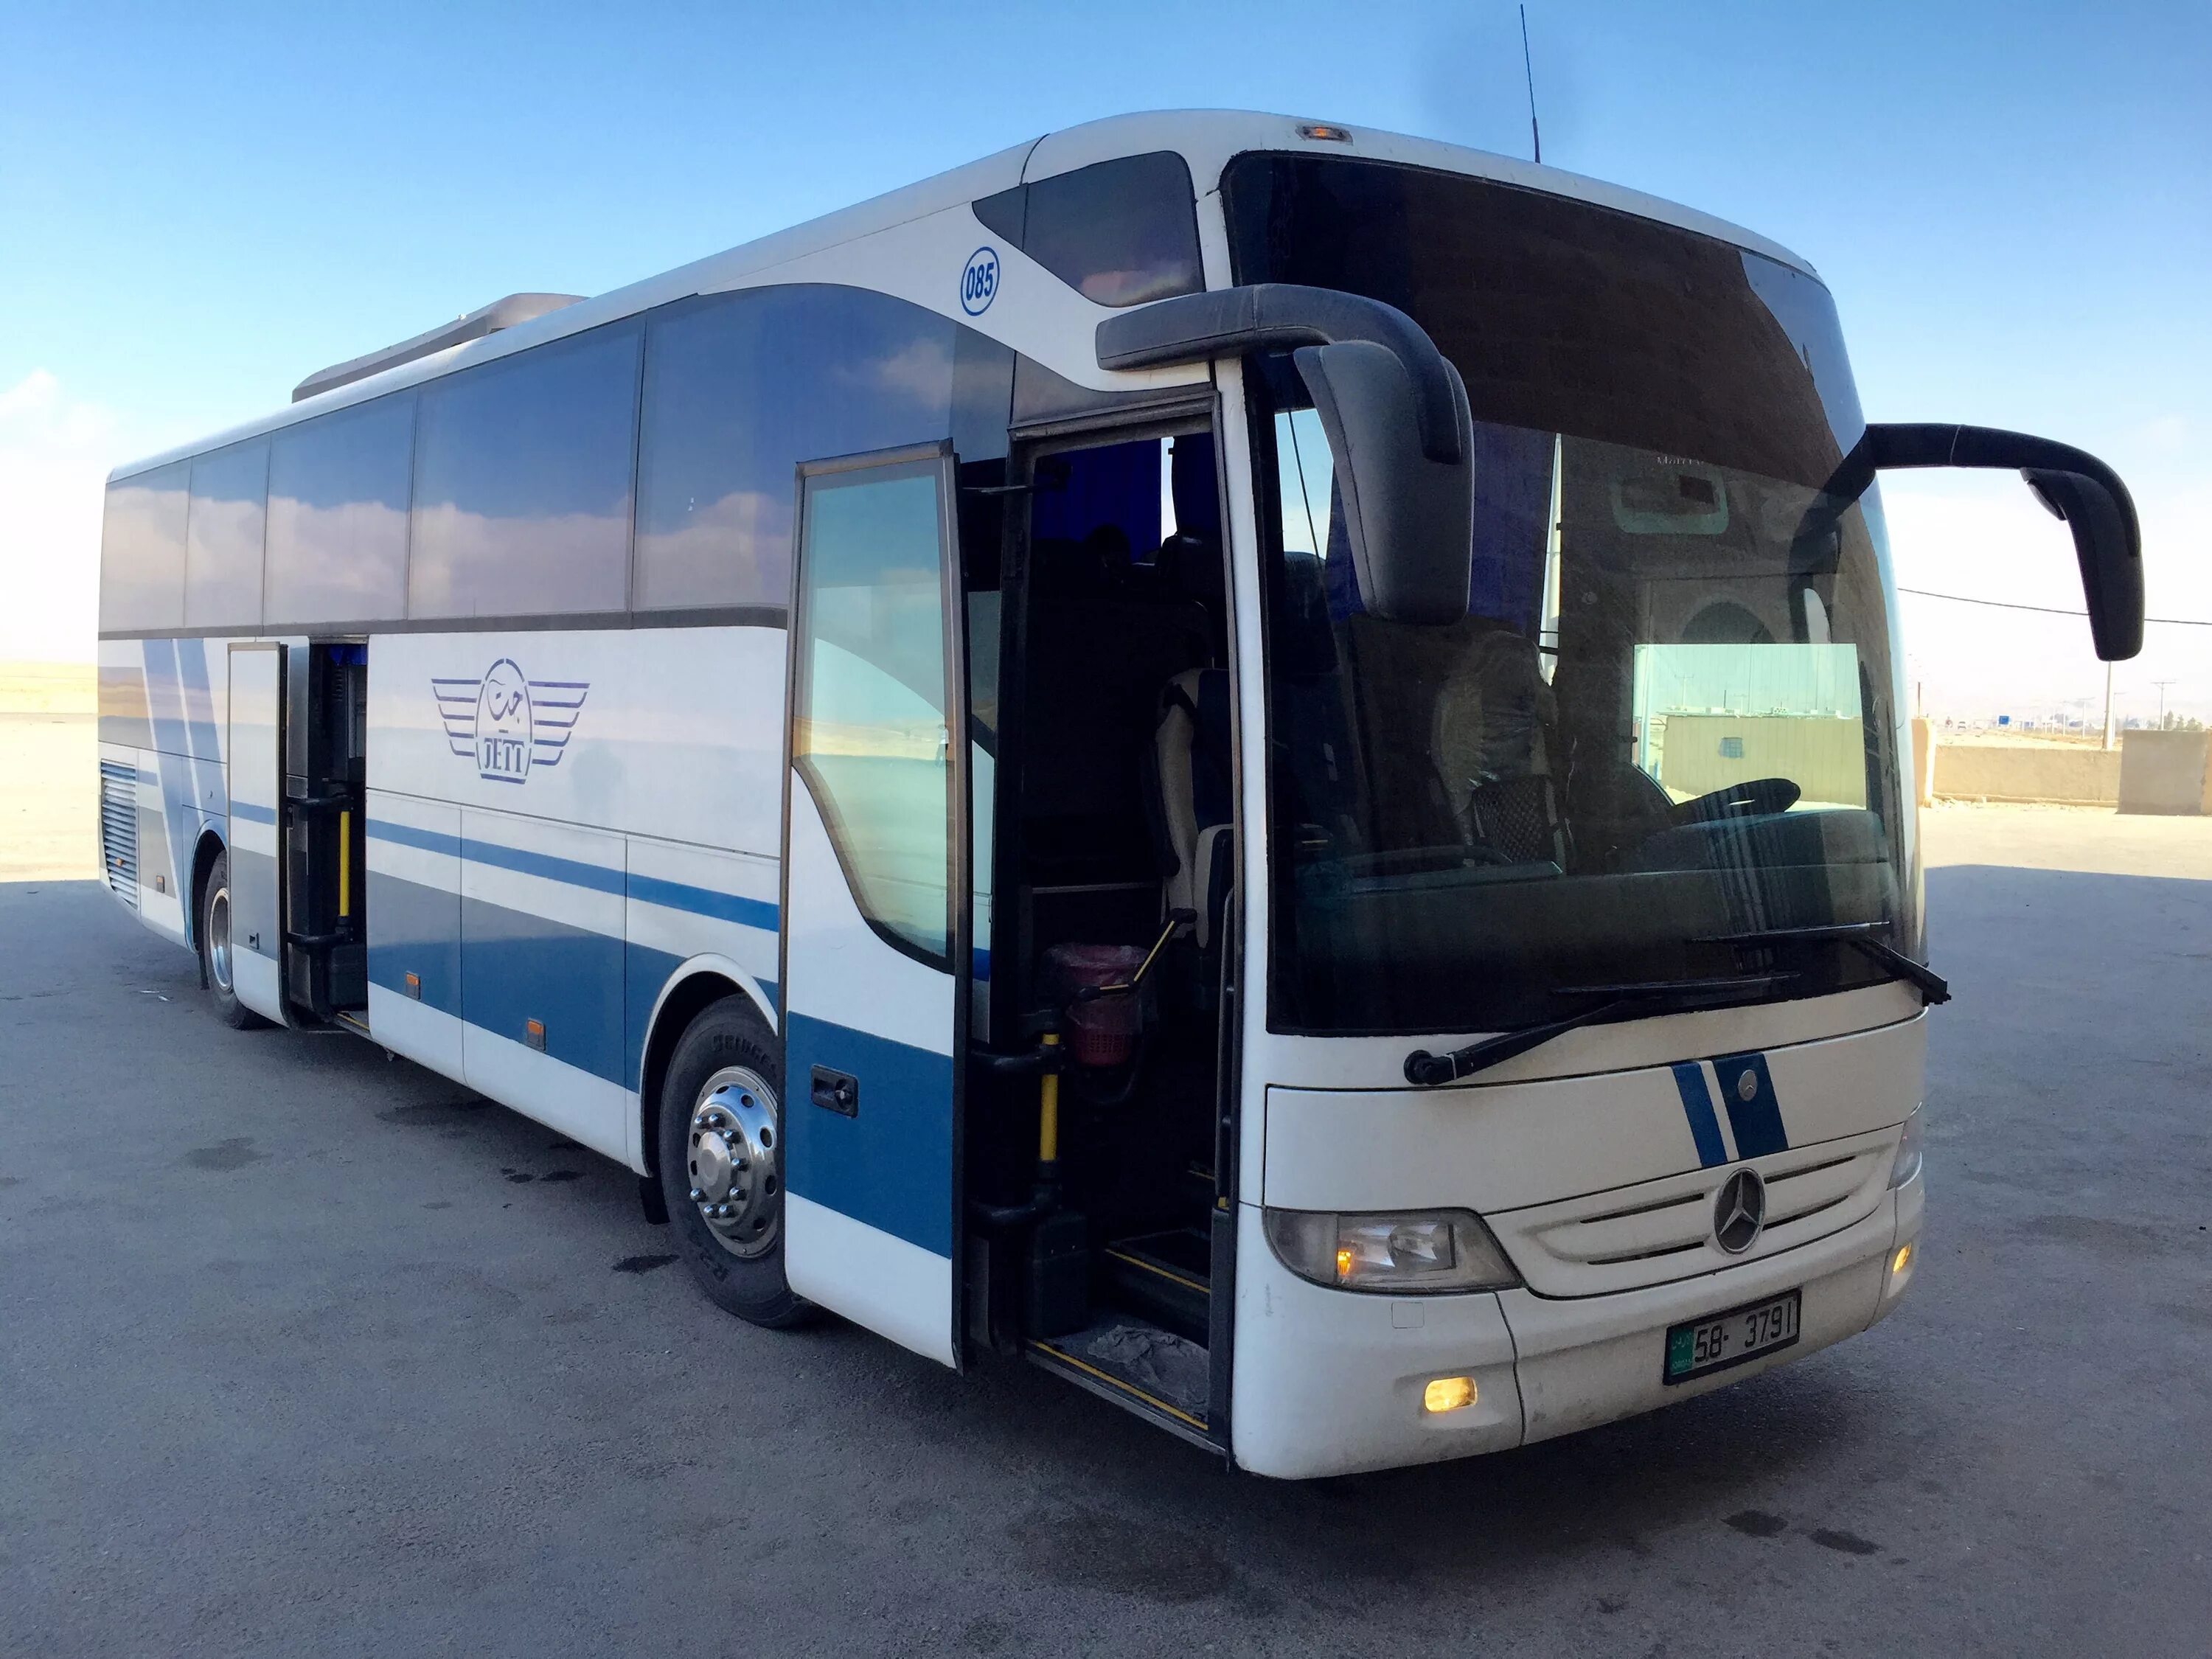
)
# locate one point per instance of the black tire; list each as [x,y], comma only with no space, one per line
[217,951]
[723,1036]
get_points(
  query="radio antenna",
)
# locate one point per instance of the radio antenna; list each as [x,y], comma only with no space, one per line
[1536,135]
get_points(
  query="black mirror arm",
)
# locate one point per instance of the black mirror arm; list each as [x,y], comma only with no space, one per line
[2072,483]
[1273,316]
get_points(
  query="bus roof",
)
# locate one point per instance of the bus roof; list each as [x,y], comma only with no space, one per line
[1207,140]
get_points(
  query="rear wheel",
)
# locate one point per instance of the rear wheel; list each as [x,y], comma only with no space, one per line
[218,961]
[721,1162]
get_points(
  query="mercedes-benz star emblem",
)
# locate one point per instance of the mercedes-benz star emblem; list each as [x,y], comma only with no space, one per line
[1740,1211]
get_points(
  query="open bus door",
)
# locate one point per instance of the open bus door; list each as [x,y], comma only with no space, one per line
[253,925]
[875,919]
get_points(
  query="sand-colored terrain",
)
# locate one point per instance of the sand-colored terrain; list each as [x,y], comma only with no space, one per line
[49,772]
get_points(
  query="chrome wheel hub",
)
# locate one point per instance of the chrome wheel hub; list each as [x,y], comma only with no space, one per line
[218,925]
[736,1177]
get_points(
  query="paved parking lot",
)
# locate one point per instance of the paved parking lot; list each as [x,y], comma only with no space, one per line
[303,1350]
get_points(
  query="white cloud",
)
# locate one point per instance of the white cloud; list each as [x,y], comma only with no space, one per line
[55,453]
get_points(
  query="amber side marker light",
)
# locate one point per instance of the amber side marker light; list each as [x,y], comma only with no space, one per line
[1901,1261]
[1321,130]
[1448,1394]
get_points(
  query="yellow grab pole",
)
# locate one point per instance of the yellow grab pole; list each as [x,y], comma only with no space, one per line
[1049,1108]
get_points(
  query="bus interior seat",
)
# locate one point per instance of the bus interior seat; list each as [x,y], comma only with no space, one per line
[1488,737]
[1192,792]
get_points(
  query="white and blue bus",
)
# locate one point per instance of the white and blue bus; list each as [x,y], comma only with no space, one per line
[1261,762]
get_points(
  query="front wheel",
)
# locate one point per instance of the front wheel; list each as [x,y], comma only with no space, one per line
[218,958]
[721,1162]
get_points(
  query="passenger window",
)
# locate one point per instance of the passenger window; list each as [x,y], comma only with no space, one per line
[141,551]
[1120,232]
[223,537]
[522,482]
[869,733]
[741,387]
[337,517]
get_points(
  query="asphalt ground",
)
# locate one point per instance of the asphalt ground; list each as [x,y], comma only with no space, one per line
[307,1351]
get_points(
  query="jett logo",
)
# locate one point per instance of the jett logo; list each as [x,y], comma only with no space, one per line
[506,723]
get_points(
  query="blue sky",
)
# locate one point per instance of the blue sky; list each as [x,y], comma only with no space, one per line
[2013,204]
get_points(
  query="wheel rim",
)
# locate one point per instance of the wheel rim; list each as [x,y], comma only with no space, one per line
[731,1157]
[218,934]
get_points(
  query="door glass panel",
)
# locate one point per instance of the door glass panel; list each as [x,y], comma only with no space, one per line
[869,734]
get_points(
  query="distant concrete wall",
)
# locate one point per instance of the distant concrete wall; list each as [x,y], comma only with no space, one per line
[2026,772]
[1923,761]
[2165,772]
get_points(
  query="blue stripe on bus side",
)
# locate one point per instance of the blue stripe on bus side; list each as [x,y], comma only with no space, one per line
[890,1164]
[415,929]
[593,992]
[516,968]
[1757,1123]
[647,890]
[253,812]
[704,901]
[1697,1107]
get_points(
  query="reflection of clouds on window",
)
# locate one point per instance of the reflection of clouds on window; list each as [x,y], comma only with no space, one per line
[522,482]
[734,549]
[338,516]
[342,563]
[473,564]
[740,389]
[223,540]
[142,550]
[1120,232]
[921,369]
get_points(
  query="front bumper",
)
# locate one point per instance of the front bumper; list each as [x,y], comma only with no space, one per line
[1330,1383]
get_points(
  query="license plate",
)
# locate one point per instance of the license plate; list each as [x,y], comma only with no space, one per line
[1721,1340]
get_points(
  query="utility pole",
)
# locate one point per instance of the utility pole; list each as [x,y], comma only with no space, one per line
[2161,685]
[2108,708]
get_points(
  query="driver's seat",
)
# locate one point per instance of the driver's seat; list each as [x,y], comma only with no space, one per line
[1489,738]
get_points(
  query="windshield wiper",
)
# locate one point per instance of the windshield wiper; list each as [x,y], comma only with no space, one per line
[1674,996]
[1860,937]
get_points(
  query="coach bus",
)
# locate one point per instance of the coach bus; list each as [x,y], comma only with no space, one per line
[1261,762]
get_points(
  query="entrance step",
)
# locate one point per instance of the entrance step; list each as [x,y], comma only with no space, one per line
[1163,1278]
[1153,1373]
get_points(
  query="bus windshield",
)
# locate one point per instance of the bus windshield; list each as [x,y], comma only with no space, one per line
[1670,718]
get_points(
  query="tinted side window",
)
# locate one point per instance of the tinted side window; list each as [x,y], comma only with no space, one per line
[522,482]
[141,551]
[223,536]
[337,517]
[1120,232]
[741,388]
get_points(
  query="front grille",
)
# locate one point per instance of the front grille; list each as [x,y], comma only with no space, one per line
[118,830]
[1661,1230]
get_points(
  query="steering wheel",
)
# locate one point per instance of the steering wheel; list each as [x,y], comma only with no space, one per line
[1754,799]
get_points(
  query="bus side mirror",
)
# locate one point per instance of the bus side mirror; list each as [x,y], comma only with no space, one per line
[2074,485]
[1409,518]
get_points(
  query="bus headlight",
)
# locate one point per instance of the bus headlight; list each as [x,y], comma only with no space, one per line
[1406,1252]
[1906,1163]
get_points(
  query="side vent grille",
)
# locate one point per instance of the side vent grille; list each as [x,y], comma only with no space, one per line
[118,830]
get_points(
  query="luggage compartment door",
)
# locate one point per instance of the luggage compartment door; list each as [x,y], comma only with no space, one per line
[254,758]
[876,922]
